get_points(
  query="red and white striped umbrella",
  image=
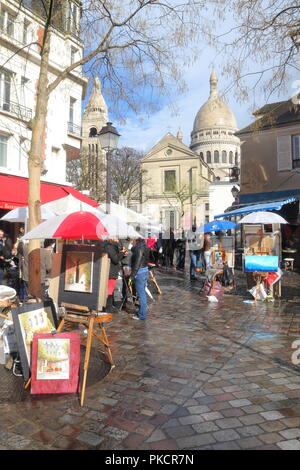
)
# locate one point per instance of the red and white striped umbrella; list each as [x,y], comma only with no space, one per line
[82,225]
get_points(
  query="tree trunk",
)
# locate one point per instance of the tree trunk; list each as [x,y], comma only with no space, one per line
[34,167]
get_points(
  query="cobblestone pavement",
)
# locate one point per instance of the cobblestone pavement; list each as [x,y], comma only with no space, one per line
[194,375]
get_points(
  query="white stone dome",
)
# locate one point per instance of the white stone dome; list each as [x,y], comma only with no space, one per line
[214,113]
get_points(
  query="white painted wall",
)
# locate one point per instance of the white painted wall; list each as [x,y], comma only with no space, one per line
[26,64]
[220,197]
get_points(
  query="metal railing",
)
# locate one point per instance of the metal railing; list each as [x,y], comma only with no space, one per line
[74,128]
[19,110]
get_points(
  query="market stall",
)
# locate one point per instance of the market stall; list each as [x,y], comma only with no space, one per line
[262,254]
[222,256]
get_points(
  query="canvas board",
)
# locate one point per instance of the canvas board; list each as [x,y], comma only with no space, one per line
[55,363]
[31,318]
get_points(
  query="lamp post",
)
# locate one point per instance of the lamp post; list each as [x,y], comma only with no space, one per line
[109,138]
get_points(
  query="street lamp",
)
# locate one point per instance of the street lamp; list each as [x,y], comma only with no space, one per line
[109,138]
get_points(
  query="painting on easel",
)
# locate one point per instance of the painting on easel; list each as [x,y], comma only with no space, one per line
[83,276]
[79,271]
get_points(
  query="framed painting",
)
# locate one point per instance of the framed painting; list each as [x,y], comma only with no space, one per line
[83,276]
[31,318]
[79,271]
[55,363]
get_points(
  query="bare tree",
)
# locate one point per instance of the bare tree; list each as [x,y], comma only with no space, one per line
[133,45]
[127,174]
[88,173]
[181,196]
[260,51]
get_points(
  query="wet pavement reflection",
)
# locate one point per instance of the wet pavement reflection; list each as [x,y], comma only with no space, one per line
[194,375]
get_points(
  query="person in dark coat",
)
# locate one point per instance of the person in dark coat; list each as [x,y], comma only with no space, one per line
[139,275]
[5,254]
[115,254]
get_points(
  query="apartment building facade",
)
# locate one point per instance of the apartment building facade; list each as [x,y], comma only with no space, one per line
[21,34]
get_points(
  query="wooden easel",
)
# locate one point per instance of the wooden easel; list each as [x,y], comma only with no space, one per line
[153,279]
[80,314]
[6,305]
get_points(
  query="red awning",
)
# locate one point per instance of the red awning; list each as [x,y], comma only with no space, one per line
[14,192]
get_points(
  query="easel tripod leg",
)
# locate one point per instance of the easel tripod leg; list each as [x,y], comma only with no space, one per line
[87,357]
[106,343]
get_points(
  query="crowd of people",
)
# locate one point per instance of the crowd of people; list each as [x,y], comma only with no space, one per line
[130,261]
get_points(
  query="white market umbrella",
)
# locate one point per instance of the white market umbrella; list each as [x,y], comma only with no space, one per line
[64,205]
[126,214]
[263,217]
[80,225]
[20,214]
[68,204]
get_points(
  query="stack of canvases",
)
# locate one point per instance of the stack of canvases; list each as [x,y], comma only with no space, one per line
[51,360]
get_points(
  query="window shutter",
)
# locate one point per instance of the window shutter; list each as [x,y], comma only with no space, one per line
[284,152]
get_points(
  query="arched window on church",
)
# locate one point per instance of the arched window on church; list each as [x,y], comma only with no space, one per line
[216,157]
[236,159]
[93,132]
[201,155]
[208,157]
[224,156]
[231,158]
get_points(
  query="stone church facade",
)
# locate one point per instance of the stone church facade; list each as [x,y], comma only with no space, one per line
[177,177]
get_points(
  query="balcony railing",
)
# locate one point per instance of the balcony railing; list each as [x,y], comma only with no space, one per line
[74,128]
[20,111]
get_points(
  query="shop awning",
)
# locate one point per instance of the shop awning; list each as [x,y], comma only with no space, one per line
[267,206]
[14,192]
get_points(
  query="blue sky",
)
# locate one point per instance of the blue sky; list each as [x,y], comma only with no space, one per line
[142,131]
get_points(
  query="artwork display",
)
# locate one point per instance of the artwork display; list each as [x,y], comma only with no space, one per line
[55,363]
[79,271]
[53,359]
[29,319]
[83,276]
[222,250]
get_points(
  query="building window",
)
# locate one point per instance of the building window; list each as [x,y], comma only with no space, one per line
[24,82]
[170,219]
[93,132]
[224,156]
[170,180]
[3,150]
[216,157]
[25,32]
[72,18]
[208,157]
[236,159]
[231,158]
[296,151]
[7,23]
[72,110]
[206,218]
[5,87]
[73,54]
[207,206]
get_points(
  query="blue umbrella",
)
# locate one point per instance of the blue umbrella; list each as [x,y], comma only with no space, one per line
[216,225]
